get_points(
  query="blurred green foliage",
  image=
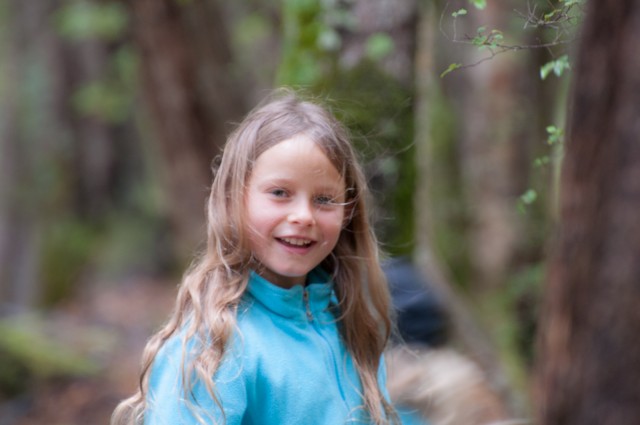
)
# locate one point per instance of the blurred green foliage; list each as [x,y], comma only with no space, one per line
[525,288]
[479,4]
[69,245]
[449,211]
[111,97]
[378,110]
[128,239]
[557,66]
[375,106]
[250,28]
[378,46]
[78,20]
[303,59]
[29,352]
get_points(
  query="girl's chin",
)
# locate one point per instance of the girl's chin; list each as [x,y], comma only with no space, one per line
[282,278]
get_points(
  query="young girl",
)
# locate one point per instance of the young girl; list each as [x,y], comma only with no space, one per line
[284,318]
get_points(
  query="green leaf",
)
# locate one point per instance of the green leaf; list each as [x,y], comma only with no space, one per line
[459,12]
[557,66]
[452,67]
[549,16]
[556,135]
[526,199]
[479,40]
[378,46]
[479,4]
[542,161]
[529,196]
[495,37]
[329,40]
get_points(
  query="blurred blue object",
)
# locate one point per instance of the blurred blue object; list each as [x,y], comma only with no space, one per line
[410,417]
[421,315]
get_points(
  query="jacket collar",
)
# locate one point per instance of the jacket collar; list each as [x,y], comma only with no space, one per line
[291,302]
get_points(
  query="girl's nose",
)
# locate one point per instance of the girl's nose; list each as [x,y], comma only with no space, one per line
[302,214]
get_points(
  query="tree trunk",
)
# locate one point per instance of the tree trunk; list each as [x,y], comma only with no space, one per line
[20,217]
[589,358]
[185,58]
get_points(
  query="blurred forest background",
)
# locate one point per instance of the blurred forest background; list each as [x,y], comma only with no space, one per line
[112,112]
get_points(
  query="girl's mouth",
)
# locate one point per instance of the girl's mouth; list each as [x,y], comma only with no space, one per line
[295,242]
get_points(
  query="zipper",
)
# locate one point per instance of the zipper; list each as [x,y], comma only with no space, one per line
[305,297]
[330,352]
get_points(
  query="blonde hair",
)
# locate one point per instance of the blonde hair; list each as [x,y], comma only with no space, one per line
[211,289]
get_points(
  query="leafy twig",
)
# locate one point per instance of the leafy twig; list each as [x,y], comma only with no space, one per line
[558,19]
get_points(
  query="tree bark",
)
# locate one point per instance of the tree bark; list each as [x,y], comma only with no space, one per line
[589,353]
[20,216]
[190,96]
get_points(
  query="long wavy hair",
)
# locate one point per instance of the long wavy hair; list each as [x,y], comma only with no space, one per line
[213,286]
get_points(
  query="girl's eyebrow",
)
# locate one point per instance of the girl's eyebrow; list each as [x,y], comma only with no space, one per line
[282,181]
[274,181]
[333,190]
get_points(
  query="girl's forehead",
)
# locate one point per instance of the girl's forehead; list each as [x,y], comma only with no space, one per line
[296,157]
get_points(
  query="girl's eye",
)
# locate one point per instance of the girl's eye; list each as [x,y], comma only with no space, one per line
[278,193]
[324,200]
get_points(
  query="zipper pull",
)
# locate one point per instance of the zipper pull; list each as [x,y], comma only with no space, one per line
[305,297]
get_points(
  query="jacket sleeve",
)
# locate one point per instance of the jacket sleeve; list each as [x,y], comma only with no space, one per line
[169,404]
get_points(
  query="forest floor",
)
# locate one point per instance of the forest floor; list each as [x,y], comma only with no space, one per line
[118,317]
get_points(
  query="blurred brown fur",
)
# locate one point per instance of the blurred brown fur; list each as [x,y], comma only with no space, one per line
[444,387]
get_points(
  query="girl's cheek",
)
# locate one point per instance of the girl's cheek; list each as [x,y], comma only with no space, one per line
[330,214]
[338,219]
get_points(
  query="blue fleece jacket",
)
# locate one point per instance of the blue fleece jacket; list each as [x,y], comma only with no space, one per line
[285,364]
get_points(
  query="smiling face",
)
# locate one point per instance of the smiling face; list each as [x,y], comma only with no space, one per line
[295,210]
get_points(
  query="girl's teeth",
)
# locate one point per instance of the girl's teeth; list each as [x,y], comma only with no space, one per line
[296,242]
